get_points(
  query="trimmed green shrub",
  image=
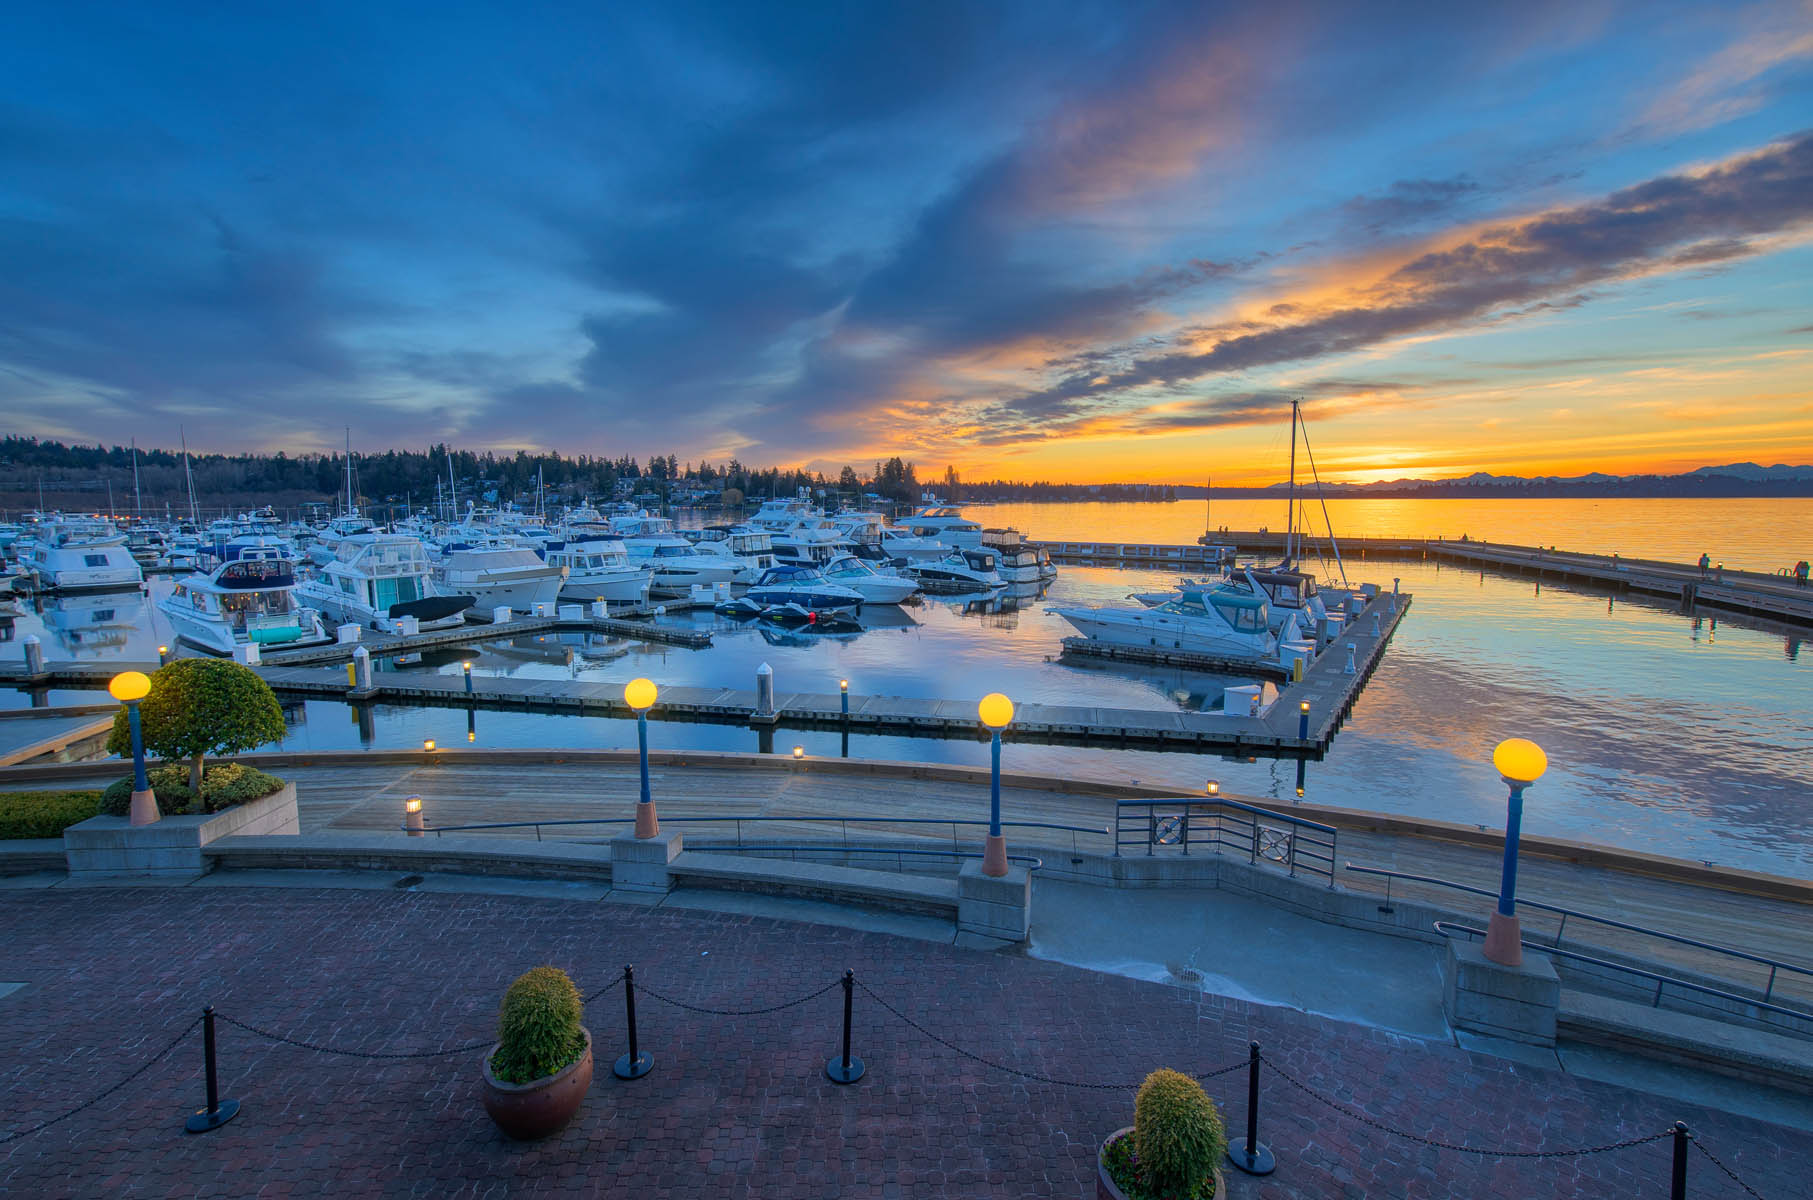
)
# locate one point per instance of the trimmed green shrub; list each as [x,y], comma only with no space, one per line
[1177,1134]
[44,814]
[201,706]
[223,786]
[538,1027]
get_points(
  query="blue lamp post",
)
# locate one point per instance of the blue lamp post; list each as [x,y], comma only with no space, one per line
[1520,763]
[640,695]
[997,713]
[129,687]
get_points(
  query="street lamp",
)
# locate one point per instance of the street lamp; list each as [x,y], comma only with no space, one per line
[1520,763]
[129,687]
[640,695]
[997,712]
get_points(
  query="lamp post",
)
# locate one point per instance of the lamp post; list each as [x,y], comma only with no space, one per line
[1520,763]
[640,695]
[997,712]
[129,687]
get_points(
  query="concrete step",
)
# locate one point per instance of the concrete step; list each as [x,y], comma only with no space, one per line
[1748,1054]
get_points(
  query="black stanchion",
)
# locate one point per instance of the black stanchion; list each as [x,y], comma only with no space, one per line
[845,1069]
[633,1065]
[1252,1158]
[1678,1188]
[219,1111]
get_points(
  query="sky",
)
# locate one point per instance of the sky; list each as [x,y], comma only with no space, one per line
[1063,241]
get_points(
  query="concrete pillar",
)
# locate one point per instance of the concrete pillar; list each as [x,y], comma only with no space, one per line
[641,864]
[994,906]
[34,654]
[361,669]
[764,696]
[1518,1003]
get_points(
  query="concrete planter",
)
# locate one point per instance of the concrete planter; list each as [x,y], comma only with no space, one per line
[1105,1188]
[541,1107]
[171,847]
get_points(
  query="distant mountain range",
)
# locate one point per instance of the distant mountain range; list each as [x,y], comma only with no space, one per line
[1732,479]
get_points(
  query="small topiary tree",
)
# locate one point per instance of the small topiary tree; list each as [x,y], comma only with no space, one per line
[538,1027]
[1177,1133]
[202,706]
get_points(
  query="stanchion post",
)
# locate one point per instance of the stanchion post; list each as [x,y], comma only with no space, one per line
[846,1069]
[635,1064]
[1252,1157]
[1303,721]
[219,1111]
[1678,1188]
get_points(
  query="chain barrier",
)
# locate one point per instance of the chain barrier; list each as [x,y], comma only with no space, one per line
[990,1063]
[93,1100]
[1361,1117]
[736,1012]
[1729,1173]
[377,1054]
[601,991]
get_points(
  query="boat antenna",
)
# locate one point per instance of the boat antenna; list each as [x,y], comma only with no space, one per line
[1323,498]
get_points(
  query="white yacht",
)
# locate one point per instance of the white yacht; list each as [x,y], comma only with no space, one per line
[1201,619]
[904,546]
[77,556]
[1016,559]
[677,563]
[598,568]
[497,574]
[804,587]
[326,546]
[750,545]
[875,586]
[958,569]
[247,600]
[945,523]
[376,579]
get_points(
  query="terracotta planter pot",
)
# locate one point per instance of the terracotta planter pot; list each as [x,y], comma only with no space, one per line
[1104,1186]
[527,1111]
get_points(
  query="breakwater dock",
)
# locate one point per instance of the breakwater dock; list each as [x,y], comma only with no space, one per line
[1773,595]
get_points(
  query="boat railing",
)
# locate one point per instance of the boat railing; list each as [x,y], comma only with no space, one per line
[1776,966]
[1211,824]
[1657,978]
[955,826]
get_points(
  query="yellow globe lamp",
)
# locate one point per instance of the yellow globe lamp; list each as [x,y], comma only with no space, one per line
[996,711]
[640,694]
[1520,762]
[128,686]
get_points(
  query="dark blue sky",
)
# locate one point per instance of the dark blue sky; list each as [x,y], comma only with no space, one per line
[1070,241]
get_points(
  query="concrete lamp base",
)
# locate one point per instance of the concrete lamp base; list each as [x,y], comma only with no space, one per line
[1504,941]
[994,855]
[646,825]
[144,808]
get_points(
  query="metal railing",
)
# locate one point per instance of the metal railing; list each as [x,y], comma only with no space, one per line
[1451,928]
[900,853]
[842,822]
[1212,824]
[1776,966]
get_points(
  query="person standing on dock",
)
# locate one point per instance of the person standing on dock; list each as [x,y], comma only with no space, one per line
[1705,562]
[1800,572]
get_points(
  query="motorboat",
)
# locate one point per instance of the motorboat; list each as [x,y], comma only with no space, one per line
[249,600]
[146,544]
[1206,619]
[750,544]
[798,616]
[1016,559]
[377,579]
[947,524]
[326,546]
[903,546]
[677,564]
[1288,594]
[876,586]
[804,587]
[498,574]
[76,556]
[599,568]
[184,553]
[973,569]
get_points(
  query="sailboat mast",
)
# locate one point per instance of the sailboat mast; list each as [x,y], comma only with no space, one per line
[138,504]
[189,476]
[453,495]
[1290,520]
[349,470]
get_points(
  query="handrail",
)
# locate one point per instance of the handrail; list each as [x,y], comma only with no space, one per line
[825,848]
[1222,802]
[1449,928]
[667,820]
[1773,964]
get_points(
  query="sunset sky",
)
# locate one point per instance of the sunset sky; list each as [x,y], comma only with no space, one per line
[1066,241]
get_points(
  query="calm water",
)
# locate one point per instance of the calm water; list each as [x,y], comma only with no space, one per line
[1665,733]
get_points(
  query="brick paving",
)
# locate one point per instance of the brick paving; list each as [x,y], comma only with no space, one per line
[736,1106]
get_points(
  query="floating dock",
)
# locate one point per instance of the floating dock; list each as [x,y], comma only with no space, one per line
[386,645]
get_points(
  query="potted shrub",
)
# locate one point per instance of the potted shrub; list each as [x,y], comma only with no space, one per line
[537,1074]
[202,706]
[1173,1149]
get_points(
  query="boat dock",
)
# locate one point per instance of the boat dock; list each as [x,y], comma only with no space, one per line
[386,645]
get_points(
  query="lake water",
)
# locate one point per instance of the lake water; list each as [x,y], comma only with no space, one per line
[1666,732]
